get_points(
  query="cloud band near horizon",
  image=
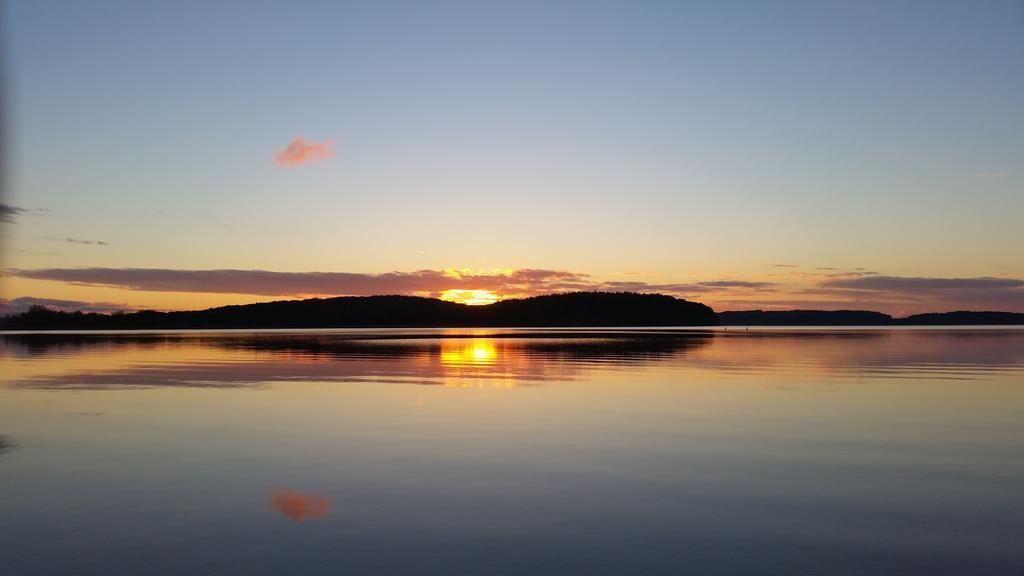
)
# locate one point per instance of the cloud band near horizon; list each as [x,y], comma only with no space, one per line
[893,294]
[507,283]
[24,303]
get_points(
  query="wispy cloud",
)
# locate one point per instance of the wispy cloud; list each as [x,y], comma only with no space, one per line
[893,294]
[735,284]
[22,304]
[301,152]
[77,241]
[506,283]
[8,212]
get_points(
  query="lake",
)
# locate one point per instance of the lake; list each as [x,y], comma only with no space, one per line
[824,451]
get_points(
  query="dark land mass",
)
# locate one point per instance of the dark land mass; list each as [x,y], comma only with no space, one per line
[963,318]
[578,309]
[804,318]
[866,318]
[557,310]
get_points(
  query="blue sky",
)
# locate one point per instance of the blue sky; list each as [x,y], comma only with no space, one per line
[660,142]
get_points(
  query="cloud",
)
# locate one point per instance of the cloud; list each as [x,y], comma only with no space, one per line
[920,294]
[78,241]
[8,212]
[506,283]
[268,283]
[854,274]
[861,290]
[784,265]
[696,287]
[992,174]
[301,152]
[22,304]
[896,295]
[735,284]
[900,283]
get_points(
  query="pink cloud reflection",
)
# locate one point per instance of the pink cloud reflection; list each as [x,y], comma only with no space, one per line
[299,506]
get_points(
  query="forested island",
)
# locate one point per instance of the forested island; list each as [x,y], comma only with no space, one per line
[556,310]
[577,309]
[866,318]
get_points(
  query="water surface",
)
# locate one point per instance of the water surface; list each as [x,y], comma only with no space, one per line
[513,452]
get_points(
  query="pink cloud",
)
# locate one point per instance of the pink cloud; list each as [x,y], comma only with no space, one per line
[858,290]
[301,152]
[22,304]
[507,283]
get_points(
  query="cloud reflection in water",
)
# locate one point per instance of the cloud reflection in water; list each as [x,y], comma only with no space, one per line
[252,360]
[498,359]
[299,506]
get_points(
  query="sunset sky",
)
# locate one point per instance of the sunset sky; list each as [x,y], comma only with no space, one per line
[860,154]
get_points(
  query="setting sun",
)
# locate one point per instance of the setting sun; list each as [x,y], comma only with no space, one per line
[470,297]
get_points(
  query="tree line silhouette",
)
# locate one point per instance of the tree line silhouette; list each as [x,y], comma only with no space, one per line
[571,309]
[575,309]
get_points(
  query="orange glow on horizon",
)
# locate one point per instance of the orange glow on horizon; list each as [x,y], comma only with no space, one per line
[470,297]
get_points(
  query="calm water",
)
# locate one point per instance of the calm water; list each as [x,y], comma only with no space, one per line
[401,452]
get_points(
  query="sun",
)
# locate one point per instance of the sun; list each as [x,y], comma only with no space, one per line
[470,297]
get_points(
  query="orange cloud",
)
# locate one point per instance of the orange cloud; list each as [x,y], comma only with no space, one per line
[298,506]
[501,283]
[301,152]
[827,288]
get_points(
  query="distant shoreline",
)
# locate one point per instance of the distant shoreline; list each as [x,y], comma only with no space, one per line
[503,332]
[867,318]
[581,310]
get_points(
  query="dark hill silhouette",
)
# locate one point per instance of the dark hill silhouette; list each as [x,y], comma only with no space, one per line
[865,318]
[577,309]
[963,318]
[804,318]
[573,309]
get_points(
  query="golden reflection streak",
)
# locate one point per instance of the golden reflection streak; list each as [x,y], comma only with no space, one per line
[474,364]
[474,352]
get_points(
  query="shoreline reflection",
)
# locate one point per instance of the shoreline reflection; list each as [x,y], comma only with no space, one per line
[504,359]
[253,360]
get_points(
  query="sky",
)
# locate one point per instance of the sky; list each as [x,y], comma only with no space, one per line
[830,155]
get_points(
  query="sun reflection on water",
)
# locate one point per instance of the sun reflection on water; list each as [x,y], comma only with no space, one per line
[472,353]
[476,363]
